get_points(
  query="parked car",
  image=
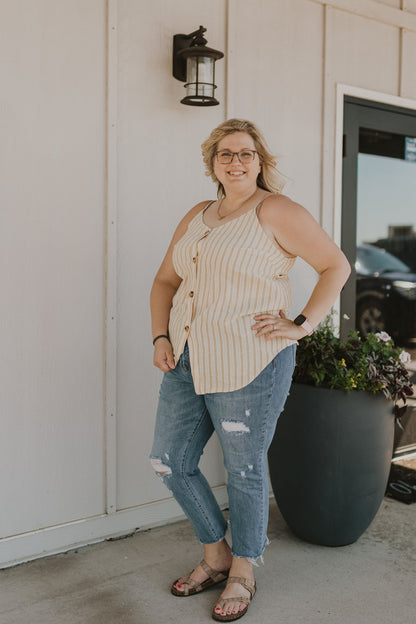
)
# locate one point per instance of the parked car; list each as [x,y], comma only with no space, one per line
[403,247]
[386,294]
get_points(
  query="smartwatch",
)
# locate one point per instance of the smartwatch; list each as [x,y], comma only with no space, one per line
[302,321]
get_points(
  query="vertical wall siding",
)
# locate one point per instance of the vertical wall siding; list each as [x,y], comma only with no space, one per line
[285,60]
[276,80]
[51,262]
[408,65]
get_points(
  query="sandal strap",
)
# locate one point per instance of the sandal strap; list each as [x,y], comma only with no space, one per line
[189,582]
[248,584]
[215,575]
[224,601]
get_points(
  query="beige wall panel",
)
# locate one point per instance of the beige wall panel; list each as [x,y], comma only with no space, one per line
[361,53]
[52,58]
[392,3]
[276,81]
[409,5]
[408,80]
[160,178]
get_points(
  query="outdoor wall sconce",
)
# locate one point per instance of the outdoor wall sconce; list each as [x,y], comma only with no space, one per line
[194,64]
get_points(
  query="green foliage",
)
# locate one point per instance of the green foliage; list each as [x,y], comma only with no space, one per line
[372,364]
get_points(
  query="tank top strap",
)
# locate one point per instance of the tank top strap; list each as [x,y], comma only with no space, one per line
[207,205]
[260,204]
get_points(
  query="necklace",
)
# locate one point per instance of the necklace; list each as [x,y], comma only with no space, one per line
[218,209]
[232,211]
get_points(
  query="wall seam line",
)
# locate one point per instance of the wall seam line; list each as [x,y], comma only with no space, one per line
[110,339]
[226,73]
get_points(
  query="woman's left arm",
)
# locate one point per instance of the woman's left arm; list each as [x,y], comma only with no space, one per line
[299,234]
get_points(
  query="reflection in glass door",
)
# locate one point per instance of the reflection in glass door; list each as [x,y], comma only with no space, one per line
[386,234]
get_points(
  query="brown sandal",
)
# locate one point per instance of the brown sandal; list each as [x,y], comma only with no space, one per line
[193,587]
[249,585]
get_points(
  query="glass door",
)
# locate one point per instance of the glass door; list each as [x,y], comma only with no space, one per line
[379,227]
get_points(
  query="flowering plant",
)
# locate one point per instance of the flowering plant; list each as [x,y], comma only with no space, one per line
[372,364]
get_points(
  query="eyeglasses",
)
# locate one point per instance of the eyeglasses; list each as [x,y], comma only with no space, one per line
[225,157]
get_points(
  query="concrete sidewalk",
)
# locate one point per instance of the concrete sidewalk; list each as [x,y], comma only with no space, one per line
[127,581]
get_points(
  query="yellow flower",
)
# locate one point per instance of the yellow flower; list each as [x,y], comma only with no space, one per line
[343,362]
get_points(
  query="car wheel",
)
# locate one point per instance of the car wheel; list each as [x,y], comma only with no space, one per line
[370,317]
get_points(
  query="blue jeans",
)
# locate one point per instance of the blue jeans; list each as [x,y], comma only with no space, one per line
[245,421]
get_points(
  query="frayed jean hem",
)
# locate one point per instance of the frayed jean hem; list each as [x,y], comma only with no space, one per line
[253,560]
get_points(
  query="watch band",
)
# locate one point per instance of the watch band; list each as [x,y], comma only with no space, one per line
[302,321]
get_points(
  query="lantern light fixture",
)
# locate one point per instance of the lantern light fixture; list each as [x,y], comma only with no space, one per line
[194,64]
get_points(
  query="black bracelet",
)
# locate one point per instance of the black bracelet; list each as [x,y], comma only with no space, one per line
[160,336]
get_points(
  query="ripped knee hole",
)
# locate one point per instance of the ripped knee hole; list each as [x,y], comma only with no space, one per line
[234,426]
[159,467]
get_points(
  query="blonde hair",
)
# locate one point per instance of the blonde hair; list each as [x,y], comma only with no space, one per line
[269,178]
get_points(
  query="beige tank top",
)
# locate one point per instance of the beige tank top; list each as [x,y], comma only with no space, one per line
[229,274]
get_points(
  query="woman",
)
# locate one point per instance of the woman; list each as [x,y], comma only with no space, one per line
[221,335]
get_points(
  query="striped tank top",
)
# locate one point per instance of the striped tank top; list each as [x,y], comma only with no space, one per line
[229,274]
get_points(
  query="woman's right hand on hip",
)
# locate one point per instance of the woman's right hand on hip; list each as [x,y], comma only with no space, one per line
[163,355]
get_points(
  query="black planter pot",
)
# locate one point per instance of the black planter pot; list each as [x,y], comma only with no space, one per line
[329,462]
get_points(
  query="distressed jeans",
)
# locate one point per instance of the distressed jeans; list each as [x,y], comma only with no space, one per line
[245,421]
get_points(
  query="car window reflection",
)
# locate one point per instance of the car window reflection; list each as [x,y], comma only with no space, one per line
[385,295]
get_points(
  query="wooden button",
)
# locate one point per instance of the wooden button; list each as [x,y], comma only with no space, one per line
[194,260]
[191,294]
[186,328]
